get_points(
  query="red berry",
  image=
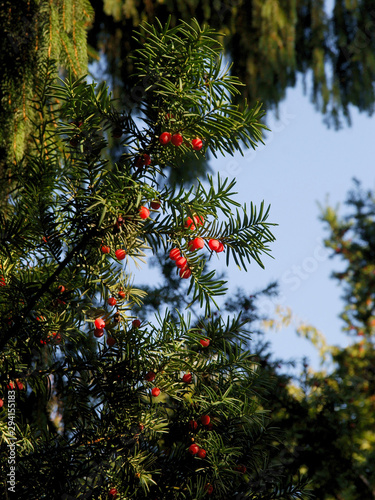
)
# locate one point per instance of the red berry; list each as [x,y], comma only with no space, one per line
[202,453]
[111,341]
[62,288]
[1,403]
[120,254]
[155,392]
[20,385]
[205,419]
[57,337]
[112,493]
[150,376]
[241,468]
[193,449]
[181,262]
[11,385]
[146,159]
[196,244]
[177,139]
[174,254]
[112,301]
[209,488]
[155,205]
[214,245]
[197,144]
[99,323]
[144,213]
[205,342]
[122,294]
[185,273]
[105,249]
[165,138]
[193,424]
[189,224]
[221,247]
[136,323]
[187,378]
[98,332]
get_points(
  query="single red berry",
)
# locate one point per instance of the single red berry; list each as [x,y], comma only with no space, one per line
[155,392]
[112,301]
[105,249]
[214,245]
[189,224]
[56,337]
[111,341]
[185,273]
[99,323]
[136,323]
[174,254]
[1,403]
[11,385]
[112,493]
[197,144]
[210,426]
[62,288]
[165,138]
[181,262]
[122,294]
[150,376]
[193,424]
[146,159]
[98,332]
[193,449]
[201,453]
[144,213]
[209,488]
[20,385]
[241,468]
[221,247]
[120,254]
[141,427]
[196,244]
[187,378]
[205,342]
[205,419]
[155,205]
[177,139]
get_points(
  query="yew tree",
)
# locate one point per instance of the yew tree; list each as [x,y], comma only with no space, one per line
[109,405]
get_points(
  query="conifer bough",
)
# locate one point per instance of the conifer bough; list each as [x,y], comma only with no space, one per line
[71,197]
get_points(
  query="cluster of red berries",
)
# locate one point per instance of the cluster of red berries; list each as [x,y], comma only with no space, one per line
[150,377]
[52,337]
[177,140]
[206,421]
[99,327]
[194,449]
[181,263]
[15,385]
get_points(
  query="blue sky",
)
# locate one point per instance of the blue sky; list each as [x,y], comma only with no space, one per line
[301,164]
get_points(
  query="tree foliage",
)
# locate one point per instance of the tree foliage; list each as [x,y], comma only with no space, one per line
[270,43]
[164,408]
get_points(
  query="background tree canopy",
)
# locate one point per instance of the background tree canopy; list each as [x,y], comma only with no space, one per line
[270,42]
